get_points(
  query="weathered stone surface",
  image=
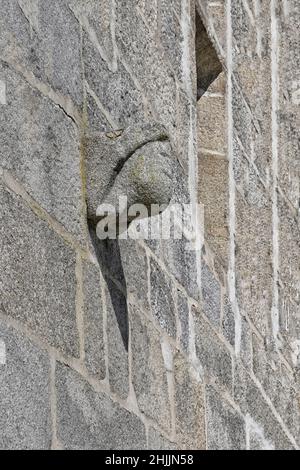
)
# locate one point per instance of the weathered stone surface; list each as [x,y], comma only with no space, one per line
[184,318]
[115,90]
[189,406]
[212,113]
[181,261]
[171,35]
[87,419]
[211,295]
[25,420]
[251,401]
[246,344]
[289,253]
[45,38]
[39,144]
[98,22]
[150,13]
[228,322]
[253,253]
[289,98]
[157,441]
[96,120]
[135,266]
[149,376]
[117,339]
[38,281]
[212,353]
[225,426]
[214,195]
[93,321]
[161,296]
[135,43]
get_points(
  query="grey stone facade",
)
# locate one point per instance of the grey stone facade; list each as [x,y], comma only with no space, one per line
[144,344]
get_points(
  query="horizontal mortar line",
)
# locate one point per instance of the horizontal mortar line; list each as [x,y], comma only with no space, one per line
[12,184]
[63,102]
[213,94]
[274,411]
[102,108]
[214,153]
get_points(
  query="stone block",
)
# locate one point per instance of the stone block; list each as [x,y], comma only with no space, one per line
[212,122]
[225,426]
[249,398]
[135,267]
[189,406]
[117,339]
[87,419]
[246,344]
[93,321]
[211,295]
[171,36]
[40,145]
[228,321]
[184,319]
[162,301]
[135,43]
[213,193]
[115,90]
[25,419]
[97,122]
[98,21]
[289,253]
[181,261]
[38,284]
[211,352]
[149,375]
[44,38]
[156,441]
[254,253]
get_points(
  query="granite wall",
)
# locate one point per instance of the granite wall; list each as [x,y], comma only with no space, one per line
[144,344]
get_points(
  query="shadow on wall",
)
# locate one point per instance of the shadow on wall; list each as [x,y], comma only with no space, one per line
[109,259]
[208,63]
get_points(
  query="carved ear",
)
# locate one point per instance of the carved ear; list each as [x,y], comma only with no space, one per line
[138,163]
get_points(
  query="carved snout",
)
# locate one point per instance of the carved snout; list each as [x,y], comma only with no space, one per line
[137,164]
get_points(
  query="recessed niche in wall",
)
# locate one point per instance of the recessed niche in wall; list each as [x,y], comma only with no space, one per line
[211,135]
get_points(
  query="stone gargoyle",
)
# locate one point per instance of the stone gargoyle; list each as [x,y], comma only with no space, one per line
[137,162]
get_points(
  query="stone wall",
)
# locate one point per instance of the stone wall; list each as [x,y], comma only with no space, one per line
[144,344]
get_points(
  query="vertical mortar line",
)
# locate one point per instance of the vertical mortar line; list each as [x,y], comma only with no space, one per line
[275,106]
[188,68]
[80,305]
[231,270]
[53,406]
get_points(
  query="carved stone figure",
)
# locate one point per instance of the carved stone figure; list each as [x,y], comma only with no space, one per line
[138,163]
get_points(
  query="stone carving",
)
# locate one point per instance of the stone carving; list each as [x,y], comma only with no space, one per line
[138,163]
